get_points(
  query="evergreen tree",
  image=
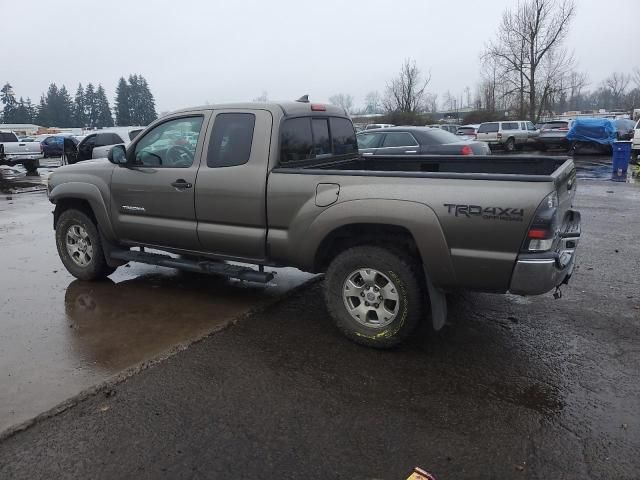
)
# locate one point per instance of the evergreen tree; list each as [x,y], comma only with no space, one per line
[8,99]
[31,110]
[90,107]
[43,118]
[65,108]
[21,114]
[148,103]
[122,108]
[79,117]
[53,105]
[103,114]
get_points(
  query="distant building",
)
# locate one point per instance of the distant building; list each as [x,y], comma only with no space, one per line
[21,129]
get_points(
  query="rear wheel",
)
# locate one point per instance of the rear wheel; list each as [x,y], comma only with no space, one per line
[79,246]
[374,295]
[510,145]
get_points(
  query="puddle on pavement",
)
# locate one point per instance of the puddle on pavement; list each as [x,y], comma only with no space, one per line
[60,336]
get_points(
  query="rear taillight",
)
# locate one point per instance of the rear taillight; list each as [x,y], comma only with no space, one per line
[563,129]
[466,150]
[317,107]
[475,136]
[544,227]
[499,135]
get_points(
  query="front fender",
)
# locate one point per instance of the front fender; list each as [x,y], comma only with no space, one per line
[90,193]
[419,219]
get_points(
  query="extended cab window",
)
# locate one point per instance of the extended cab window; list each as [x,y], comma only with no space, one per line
[231,139]
[8,137]
[171,144]
[306,138]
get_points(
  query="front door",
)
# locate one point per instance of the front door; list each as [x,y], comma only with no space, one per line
[152,198]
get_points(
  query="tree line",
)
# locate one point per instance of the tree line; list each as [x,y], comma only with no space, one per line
[89,108]
[526,72]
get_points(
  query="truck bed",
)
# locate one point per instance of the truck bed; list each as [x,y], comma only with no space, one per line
[512,168]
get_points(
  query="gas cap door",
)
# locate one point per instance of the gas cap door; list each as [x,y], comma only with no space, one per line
[326,194]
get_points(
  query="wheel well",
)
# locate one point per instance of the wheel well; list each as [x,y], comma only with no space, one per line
[347,236]
[65,204]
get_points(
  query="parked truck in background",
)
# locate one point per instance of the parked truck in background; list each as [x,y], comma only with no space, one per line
[14,152]
[283,184]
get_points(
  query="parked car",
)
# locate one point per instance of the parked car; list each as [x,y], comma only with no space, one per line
[373,126]
[283,185]
[624,128]
[97,145]
[468,131]
[635,145]
[15,152]
[511,135]
[53,145]
[553,134]
[445,126]
[418,141]
[592,133]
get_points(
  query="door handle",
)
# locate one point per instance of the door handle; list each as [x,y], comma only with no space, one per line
[367,153]
[181,184]
[411,151]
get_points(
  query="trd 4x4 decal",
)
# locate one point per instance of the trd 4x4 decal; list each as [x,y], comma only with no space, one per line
[508,214]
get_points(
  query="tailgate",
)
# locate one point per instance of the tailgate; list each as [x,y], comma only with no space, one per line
[564,179]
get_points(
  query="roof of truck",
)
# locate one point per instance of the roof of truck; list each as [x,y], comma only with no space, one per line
[288,107]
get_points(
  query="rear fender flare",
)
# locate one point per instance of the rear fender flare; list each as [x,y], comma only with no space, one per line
[419,219]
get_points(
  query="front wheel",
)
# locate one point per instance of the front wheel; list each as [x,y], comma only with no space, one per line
[374,295]
[79,246]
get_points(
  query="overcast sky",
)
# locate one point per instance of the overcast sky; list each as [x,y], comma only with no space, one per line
[194,52]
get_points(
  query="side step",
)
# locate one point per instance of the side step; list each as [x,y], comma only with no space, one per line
[214,268]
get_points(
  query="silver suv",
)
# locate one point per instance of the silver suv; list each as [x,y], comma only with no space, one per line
[510,135]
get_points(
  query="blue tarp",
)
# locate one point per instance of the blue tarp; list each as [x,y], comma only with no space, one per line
[599,130]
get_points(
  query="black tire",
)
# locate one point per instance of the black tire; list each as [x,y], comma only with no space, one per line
[403,273]
[96,268]
[634,156]
[510,145]
[31,166]
[542,147]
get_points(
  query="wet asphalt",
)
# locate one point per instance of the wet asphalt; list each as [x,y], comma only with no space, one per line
[512,388]
[60,336]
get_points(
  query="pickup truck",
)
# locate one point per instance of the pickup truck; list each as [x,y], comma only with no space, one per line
[13,152]
[511,135]
[283,184]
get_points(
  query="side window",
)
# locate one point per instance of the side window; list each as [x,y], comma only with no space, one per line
[399,139]
[171,144]
[321,140]
[343,136]
[369,140]
[296,141]
[231,139]
[523,125]
[115,139]
[90,141]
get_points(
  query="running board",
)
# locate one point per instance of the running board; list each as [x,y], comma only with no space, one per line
[214,268]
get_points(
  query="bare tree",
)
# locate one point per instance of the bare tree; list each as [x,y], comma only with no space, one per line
[431,102]
[636,76]
[406,92]
[342,100]
[372,102]
[617,83]
[528,48]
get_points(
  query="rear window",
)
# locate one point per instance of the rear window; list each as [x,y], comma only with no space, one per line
[488,128]
[306,138]
[231,139]
[510,126]
[7,137]
[466,130]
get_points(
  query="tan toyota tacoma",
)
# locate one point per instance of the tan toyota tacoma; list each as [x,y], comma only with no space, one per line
[235,189]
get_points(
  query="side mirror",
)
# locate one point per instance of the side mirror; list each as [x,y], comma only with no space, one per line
[117,155]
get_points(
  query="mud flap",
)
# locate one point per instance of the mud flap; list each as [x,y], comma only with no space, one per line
[438,304]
